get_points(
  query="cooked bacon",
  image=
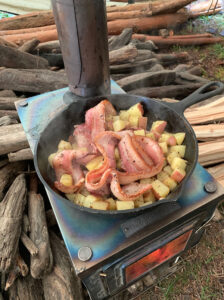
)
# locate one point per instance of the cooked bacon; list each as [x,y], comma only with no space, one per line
[64,163]
[128,192]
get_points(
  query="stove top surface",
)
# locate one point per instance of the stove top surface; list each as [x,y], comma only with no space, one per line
[107,236]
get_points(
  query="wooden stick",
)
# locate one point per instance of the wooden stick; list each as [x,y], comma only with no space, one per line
[11,113]
[121,40]
[11,212]
[28,243]
[122,55]
[7,103]
[26,224]
[49,47]
[27,30]
[11,142]
[22,265]
[14,128]
[6,43]
[7,120]
[133,66]
[7,93]
[13,274]
[29,46]
[24,154]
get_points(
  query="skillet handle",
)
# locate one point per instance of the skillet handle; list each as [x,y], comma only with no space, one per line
[198,96]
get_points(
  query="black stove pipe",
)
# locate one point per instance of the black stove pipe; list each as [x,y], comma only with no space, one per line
[82,32]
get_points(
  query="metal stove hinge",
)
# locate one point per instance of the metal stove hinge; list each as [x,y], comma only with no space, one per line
[205,224]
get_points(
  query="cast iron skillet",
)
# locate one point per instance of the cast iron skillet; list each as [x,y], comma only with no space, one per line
[62,125]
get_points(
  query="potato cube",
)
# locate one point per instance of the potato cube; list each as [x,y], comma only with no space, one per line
[180,149]
[125,205]
[178,174]
[179,163]
[160,189]
[124,115]
[102,205]
[159,126]
[164,147]
[112,203]
[162,176]
[63,145]
[149,197]
[88,202]
[145,204]
[139,201]
[147,180]
[76,198]
[171,183]
[50,159]
[119,125]
[139,132]
[71,197]
[168,170]
[142,122]
[117,154]
[66,179]
[164,137]
[171,156]
[180,136]
[150,135]
[95,163]
[136,110]
[133,121]
[115,118]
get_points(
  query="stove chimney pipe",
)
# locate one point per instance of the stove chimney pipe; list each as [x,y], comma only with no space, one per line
[82,32]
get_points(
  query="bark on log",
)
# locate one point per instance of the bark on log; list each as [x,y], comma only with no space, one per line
[13,274]
[147,45]
[24,154]
[7,120]
[143,24]
[186,78]
[26,224]
[13,58]
[144,54]
[121,40]
[11,212]
[13,142]
[41,263]
[6,43]
[34,81]
[3,162]
[49,47]
[62,283]
[168,91]
[7,103]
[26,30]
[11,113]
[117,15]
[26,288]
[7,93]
[122,55]
[22,265]
[147,79]
[54,59]
[133,67]
[51,220]
[173,58]
[29,46]
[15,128]
[29,244]
[34,19]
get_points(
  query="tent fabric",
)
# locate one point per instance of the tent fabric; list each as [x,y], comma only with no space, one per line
[24,6]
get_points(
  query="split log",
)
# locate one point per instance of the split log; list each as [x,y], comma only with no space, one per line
[122,55]
[13,142]
[62,283]
[22,265]
[147,45]
[15,128]
[49,47]
[3,162]
[29,46]
[169,91]
[54,59]
[7,175]
[6,43]
[7,120]
[34,19]
[147,79]
[186,77]
[133,14]
[211,153]
[144,54]
[7,93]
[34,81]
[211,131]
[26,288]
[143,24]
[121,40]
[13,274]
[11,113]
[205,115]
[29,244]
[217,172]
[26,30]
[162,42]
[51,220]
[41,263]
[173,58]
[133,67]
[13,58]
[11,212]
[26,224]
[7,103]
[24,154]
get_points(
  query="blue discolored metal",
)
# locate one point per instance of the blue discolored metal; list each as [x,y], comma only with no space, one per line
[102,234]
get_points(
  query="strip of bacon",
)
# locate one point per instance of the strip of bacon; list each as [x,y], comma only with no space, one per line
[128,192]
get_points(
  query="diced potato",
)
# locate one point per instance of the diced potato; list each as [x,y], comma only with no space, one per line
[139,201]
[88,202]
[63,145]
[159,126]
[162,176]
[119,125]
[160,189]
[150,135]
[145,204]
[95,163]
[136,110]
[179,163]
[133,121]
[164,137]
[164,147]
[180,149]
[71,197]
[165,163]
[171,141]
[75,146]
[116,154]
[180,136]
[147,180]
[66,179]
[102,205]
[139,132]
[149,197]
[125,205]
[50,159]
[115,118]
[171,183]
[124,115]
[168,170]
[76,198]
[142,122]
[112,203]
[171,156]
[178,174]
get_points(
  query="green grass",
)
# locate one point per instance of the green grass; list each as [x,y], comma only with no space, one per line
[219,74]
[217,50]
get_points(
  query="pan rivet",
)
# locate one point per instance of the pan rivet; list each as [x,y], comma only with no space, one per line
[210,187]
[23,103]
[85,253]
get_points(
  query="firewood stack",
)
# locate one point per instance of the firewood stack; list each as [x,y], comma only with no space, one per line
[34,263]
